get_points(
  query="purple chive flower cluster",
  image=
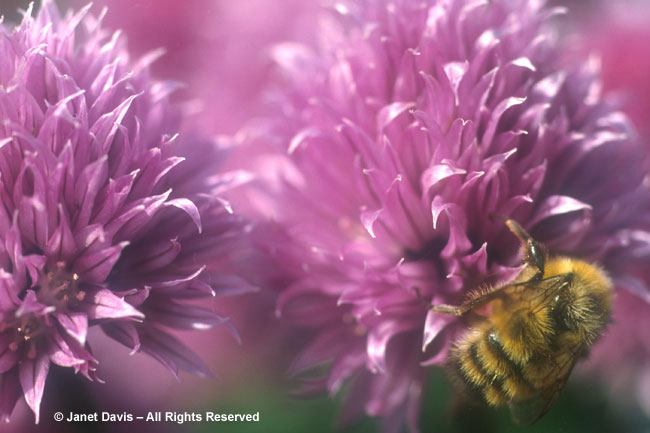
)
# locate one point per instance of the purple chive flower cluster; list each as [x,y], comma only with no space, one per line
[398,145]
[108,218]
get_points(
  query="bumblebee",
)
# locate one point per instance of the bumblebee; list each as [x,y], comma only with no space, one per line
[529,333]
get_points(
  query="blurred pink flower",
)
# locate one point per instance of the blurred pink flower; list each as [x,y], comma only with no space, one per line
[393,144]
[217,48]
[617,32]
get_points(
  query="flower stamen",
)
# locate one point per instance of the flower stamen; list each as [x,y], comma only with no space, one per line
[59,286]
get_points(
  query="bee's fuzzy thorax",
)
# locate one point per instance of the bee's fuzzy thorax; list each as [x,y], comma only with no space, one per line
[589,298]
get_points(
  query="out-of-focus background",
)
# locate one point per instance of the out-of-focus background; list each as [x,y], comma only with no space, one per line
[219,48]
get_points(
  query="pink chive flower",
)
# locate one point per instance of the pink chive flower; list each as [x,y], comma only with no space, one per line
[98,225]
[395,143]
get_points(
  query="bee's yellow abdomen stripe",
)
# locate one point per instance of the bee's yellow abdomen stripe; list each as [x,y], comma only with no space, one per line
[473,389]
[472,370]
[490,382]
[517,370]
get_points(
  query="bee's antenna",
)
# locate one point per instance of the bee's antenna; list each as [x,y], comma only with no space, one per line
[518,231]
[533,252]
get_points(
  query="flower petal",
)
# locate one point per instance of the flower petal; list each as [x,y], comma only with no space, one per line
[32,374]
[95,266]
[9,394]
[103,304]
[171,353]
[74,324]
[189,208]
[558,205]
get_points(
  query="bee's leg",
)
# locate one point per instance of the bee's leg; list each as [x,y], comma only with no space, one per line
[442,308]
[476,299]
[534,253]
[450,309]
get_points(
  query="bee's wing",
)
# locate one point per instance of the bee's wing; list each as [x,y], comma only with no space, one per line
[544,289]
[526,412]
